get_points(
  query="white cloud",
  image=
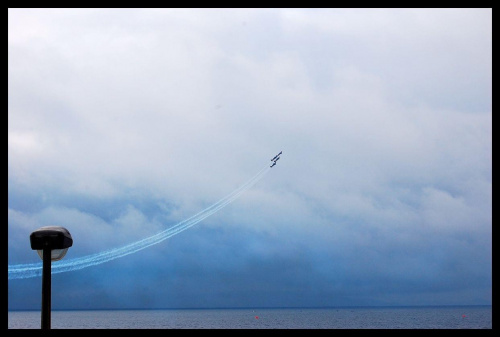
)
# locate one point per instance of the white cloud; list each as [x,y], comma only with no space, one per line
[383,116]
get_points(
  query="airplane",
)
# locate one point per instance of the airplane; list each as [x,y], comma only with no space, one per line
[276,156]
[273,164]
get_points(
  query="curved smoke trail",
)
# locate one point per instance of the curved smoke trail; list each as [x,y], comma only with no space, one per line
[20,271]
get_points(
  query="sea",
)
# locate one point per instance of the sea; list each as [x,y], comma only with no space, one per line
[449,317]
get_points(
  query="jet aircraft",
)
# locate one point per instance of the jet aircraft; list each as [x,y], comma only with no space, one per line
[276,156]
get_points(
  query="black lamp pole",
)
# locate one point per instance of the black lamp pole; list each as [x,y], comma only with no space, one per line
[51,242]
[46,288]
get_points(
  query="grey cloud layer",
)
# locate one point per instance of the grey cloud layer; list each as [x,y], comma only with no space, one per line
[123,121]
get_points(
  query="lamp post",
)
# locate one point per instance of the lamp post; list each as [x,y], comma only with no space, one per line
[51,243]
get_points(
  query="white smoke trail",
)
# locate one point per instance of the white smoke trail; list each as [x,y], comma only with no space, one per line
[21,271]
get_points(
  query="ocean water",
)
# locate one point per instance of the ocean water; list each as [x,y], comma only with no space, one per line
[460,317]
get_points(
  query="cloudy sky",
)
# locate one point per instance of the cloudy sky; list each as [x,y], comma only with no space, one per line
[124,122]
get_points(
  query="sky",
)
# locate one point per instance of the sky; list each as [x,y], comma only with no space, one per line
[125,122]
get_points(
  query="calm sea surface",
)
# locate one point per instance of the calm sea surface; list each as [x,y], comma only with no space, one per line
[464,317]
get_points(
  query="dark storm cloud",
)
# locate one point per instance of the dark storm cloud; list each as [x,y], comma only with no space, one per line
[124,122]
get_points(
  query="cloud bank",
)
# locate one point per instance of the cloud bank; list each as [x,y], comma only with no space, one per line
[124,122]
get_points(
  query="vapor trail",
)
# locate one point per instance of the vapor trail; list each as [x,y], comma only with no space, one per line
[21,271]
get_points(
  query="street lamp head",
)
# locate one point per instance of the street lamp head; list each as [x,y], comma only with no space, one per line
[57,239]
